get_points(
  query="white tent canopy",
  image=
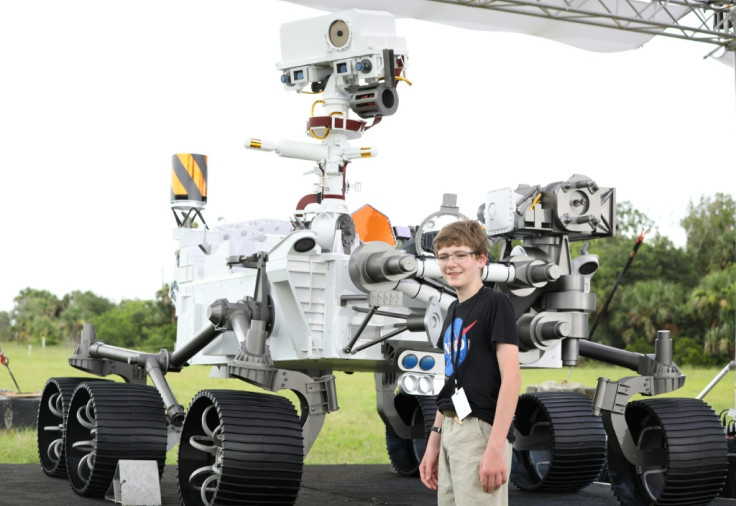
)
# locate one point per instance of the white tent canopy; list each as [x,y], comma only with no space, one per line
[594,25]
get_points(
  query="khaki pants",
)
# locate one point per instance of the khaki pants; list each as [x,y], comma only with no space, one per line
[460,453]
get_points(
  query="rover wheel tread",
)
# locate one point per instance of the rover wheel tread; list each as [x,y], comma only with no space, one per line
[570,446]
[695,448]
[107,422]
[52,411]
[419,413]
[240,448]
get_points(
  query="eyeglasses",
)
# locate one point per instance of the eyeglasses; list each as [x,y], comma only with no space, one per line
[458,257]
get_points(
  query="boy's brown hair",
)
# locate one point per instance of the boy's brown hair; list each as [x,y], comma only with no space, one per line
[462,233]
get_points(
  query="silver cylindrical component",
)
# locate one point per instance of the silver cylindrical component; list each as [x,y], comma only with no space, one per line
[555,330]
[570,352]
[401,265]
[376,265]
[570,301]
[533,274]
[493,272]
[544,330]
[383,264]
[498,273]
[415,322]
[571,282]
[610,355]
[301,150]
[548,272]
[600,393]
[428,268]
[102,350]
[526,340]
[193,346]
[424,292]
[291,149]
[663,348]
[174,410]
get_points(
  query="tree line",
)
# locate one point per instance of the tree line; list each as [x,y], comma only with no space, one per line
[39,314]
[690,291]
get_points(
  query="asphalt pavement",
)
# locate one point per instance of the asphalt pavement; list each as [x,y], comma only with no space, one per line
[27,485]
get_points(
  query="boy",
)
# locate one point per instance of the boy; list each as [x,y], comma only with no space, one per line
[468,454]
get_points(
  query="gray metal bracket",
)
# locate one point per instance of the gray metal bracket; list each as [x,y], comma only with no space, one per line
[611,398]
[317,396]
[610,402]
[83,360]
[256,370]
[103,367]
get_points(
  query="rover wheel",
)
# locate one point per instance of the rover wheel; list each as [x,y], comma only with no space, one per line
[560,446]
[107,422]
[57,394]
[240,448]
[419,413]
[686,451]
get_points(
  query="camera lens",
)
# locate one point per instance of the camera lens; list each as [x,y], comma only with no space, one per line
[339,33]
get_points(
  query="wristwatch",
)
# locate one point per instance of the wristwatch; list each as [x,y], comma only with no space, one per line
[436,429]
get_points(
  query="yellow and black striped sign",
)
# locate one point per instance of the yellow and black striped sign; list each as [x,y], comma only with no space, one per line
[189,177]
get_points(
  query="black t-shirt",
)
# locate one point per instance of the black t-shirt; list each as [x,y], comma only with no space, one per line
[478,324]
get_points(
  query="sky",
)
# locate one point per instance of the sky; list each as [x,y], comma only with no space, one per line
[95,98]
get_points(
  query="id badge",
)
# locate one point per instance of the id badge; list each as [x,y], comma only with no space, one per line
[462,406]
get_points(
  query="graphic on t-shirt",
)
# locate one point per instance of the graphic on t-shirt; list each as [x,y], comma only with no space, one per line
[455,330]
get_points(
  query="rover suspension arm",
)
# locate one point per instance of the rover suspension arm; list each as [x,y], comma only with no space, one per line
[103,359]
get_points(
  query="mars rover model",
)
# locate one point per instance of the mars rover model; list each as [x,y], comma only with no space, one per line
[283,304]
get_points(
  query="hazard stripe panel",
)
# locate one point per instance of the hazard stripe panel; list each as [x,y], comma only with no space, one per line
[189,177]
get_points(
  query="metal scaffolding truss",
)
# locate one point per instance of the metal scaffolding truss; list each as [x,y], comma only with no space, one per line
[709,22]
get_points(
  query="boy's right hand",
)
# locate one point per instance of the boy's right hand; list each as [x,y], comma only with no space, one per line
[428,468]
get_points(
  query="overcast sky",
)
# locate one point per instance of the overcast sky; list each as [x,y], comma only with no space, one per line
[95,97]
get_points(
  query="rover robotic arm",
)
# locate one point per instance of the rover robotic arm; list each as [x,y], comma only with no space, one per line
[353,61]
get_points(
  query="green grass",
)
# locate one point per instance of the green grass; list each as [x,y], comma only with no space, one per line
[353,434]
